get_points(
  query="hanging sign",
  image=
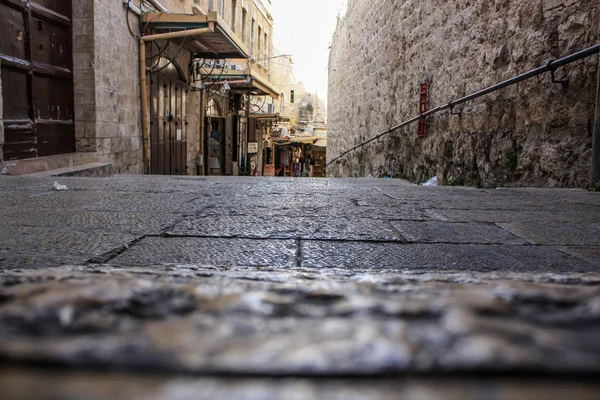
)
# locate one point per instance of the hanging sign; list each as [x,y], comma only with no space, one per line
[252,147]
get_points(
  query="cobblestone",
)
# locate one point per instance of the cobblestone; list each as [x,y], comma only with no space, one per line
[242,280]
[300,321]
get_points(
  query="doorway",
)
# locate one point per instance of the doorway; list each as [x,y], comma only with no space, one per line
[215,146]
[215,138]
[168,122]
[37,78]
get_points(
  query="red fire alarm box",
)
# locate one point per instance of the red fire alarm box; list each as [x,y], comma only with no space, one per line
[422,107]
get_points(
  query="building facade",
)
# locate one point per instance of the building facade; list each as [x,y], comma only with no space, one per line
[534,133]
[72,82]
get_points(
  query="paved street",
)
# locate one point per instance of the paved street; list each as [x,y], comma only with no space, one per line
[225,283]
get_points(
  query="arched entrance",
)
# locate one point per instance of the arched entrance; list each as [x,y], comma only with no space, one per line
[168,123]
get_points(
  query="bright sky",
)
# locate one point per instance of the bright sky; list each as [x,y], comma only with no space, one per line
[304,29]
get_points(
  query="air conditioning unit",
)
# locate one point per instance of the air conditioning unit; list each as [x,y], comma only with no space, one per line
[271,108]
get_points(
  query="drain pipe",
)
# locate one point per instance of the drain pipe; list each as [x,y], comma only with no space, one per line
[132,7]
[143,89]
[237,82]
[158,6]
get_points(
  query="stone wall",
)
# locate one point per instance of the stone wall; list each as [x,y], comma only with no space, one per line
[84,82]
[117,82]
[1,123]
[107,84]
[534,133]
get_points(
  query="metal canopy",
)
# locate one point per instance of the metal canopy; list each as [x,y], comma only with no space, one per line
[249,81]
[274,117]
[219,42]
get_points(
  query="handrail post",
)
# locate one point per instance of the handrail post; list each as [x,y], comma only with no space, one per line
[596,139]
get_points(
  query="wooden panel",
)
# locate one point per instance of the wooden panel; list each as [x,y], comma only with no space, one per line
[50,101]
[12,32]
[168,141]
[37,79]
[55,137]
[154,127]
[62,7]
[50,43]
[14,93]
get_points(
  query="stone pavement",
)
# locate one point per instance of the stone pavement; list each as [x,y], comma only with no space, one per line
[252,288]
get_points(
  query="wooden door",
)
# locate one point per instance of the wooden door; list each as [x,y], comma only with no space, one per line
[168,133]
[37,77]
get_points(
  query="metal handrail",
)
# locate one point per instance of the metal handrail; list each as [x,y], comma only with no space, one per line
[549,67]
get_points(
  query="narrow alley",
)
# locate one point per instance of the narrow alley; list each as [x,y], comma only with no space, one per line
[299,200]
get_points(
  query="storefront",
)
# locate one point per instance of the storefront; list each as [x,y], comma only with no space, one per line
[309,158]
[271,134]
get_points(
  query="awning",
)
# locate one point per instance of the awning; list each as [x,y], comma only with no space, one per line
[273,117]
[321,143]
[219,42]
[314,140]
[249,81]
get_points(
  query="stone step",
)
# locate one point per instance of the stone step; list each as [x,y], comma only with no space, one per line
[41,164]
[85,170]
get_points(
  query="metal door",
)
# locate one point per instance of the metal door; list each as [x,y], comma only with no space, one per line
[37,77]
[168,133]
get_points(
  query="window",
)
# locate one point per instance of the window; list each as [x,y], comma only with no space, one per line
[211,5]
[233,7]
[259,36]
[222,7]
[244,16]
[252,38]
[266,49]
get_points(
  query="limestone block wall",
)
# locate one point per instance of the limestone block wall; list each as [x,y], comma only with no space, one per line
[534,133]
[117,81]
[1,123]
[84,82]
[107,84]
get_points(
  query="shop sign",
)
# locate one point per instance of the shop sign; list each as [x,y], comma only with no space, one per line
[252,147]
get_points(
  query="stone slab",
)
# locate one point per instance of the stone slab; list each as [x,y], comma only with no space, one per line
[345,208]
[9,260]
[85,170]
[513,216]
[439,257]
[287,227]
[111,221]
[558,233]
[33,165]
[444,232]
[210,251]
[588,254]
[33,241]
